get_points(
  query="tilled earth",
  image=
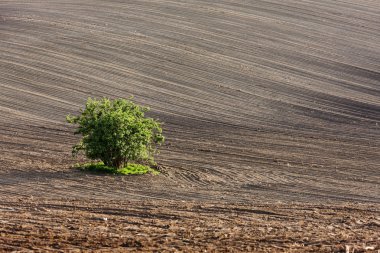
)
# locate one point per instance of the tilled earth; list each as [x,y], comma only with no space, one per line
[271,112]
[27,224]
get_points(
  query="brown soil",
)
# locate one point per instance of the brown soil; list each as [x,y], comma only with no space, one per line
[186,226]
[271,111]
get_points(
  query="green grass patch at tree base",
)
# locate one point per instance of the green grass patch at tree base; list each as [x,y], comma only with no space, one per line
[130,169]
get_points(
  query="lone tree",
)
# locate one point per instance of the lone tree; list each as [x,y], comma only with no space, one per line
[116,132]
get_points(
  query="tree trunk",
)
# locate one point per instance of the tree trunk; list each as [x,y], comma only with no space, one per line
[117,163]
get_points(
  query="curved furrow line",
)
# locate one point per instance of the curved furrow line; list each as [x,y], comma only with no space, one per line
[209,105]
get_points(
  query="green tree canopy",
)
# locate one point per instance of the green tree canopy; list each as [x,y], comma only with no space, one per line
[116,132]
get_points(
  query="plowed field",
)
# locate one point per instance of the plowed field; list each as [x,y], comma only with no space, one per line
[271,112]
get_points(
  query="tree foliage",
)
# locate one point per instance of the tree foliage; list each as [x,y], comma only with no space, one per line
[116,132]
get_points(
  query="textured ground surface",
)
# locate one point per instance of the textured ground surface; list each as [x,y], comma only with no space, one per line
[265,104]
[28,224]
